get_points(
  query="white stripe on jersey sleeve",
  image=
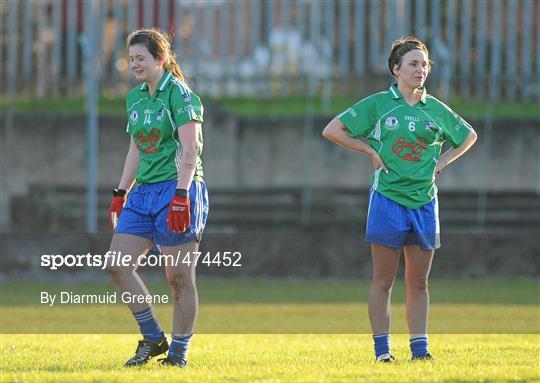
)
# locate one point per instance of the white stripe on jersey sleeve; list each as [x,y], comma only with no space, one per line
[165,81]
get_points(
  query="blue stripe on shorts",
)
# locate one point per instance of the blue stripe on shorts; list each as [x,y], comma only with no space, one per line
[393,225]
[147,207]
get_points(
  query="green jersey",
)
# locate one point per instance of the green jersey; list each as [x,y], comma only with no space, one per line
[408,139]
[153,122]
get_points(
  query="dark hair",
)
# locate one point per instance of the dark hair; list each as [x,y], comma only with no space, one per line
[401,47]
[159,45]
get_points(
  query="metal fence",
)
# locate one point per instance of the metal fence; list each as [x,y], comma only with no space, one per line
[481,48]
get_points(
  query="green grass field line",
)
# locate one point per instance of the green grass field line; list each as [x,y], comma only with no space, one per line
[272,319]
[512,291]
[259,306]
[272,358]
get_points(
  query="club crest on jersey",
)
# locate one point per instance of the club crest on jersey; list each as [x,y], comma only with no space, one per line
[134,116]
[159,116]
[391,123]
[430,126]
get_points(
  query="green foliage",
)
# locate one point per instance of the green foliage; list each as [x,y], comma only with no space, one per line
[292,106]
[75,105]
[297,107]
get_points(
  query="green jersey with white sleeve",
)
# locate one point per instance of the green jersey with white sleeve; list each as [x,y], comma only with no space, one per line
[153,121]
[408,139]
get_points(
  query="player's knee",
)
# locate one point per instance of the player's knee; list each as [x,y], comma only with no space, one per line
[382,283]
[179,279]
[117,272]
[417,283]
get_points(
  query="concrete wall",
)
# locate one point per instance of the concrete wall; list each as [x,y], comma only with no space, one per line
[270,152]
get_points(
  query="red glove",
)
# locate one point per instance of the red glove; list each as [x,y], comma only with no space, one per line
[178,217]
[117,205]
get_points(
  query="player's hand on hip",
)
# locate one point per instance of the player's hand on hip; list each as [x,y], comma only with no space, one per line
[178,218]
[441,164]
[377,162]
[117,205]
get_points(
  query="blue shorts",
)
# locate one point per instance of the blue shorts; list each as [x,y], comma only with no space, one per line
[146,209]
[393,225]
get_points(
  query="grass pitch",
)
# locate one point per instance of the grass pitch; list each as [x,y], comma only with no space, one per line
[279,331]
[272,358]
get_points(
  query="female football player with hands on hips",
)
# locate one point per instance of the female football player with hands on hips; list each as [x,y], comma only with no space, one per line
[169,205]
[405,129]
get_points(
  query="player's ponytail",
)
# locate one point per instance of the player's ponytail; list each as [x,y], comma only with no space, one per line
[172,66]
[159,45]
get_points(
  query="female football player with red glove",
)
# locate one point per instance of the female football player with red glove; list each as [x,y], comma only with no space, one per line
[169,205]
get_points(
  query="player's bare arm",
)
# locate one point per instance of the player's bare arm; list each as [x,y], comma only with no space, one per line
[453,154]
[130,167]
[336,132]
[188,133]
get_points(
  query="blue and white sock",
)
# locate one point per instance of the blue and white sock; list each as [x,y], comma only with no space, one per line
[419,345]
[179,346]
[148,324]
[382,346]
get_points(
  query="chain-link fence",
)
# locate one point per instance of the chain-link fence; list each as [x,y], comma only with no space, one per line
[274,48]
